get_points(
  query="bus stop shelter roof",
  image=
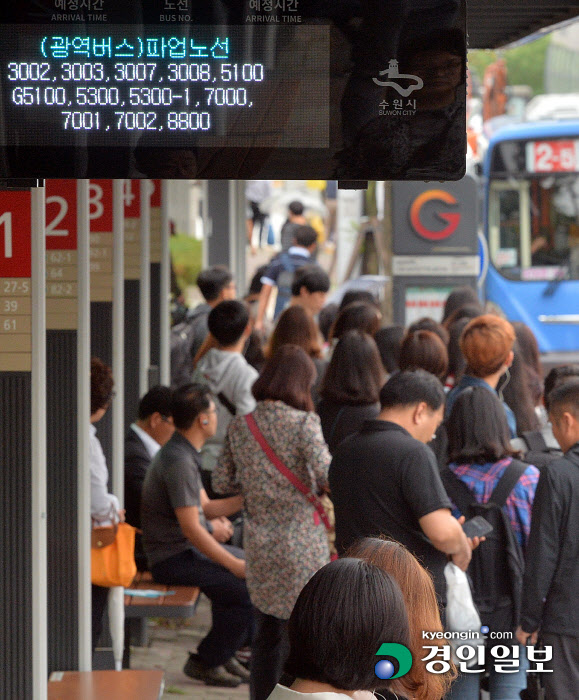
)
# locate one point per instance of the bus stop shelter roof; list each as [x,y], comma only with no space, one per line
[495,23]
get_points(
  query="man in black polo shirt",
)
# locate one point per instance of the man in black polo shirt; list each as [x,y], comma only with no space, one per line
[179,548]
[384,480]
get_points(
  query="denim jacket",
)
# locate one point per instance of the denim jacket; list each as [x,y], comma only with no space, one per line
[469,380]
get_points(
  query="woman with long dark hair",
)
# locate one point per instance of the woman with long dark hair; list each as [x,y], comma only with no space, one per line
[479,454]
[284,539]
[351,386]
[296,326]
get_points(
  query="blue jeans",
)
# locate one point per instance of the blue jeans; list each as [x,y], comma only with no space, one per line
[231,609]
[503,686]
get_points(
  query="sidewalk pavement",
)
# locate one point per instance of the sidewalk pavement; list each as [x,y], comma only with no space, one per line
[169,643]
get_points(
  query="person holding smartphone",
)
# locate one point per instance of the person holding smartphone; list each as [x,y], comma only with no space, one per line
[480,453]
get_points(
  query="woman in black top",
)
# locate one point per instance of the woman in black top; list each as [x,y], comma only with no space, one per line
[350,387]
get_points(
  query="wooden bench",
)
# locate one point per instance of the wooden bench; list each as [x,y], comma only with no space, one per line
[112,685]
[180,602]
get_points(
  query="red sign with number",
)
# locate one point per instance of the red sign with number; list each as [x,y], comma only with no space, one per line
[15,234]
[132,195]
[553,156]
[61,221]
[100,209]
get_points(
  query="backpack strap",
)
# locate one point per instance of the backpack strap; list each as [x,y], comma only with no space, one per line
[227,403]
[535,441]
[507,482]
[457,490]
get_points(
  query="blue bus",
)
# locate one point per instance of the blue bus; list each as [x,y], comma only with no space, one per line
[531,223]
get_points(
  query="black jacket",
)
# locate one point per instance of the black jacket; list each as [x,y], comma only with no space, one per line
[551,583]
[137,460]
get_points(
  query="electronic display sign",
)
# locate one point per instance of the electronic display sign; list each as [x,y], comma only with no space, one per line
[280,88]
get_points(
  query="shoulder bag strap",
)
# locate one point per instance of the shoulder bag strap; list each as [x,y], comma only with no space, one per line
[507,482]
[289,475]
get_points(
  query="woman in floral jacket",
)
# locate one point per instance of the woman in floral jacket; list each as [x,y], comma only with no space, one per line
[284,539]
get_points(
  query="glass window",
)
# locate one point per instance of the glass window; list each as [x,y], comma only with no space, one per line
[534,227]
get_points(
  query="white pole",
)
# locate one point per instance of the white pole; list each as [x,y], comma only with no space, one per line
[38,496]
[118,466]
[207,223]
[83,422]
[145,288]
[165,285]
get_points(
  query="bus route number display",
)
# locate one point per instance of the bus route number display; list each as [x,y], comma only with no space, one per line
[200,87]
[552,156]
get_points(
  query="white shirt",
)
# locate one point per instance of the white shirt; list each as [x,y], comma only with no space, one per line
[100,499]
[151,445]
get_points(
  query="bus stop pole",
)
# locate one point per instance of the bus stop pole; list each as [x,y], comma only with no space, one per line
[38,445]
[145,288]
[118,467]
[83,422]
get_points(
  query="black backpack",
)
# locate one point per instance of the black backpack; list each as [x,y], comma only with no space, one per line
[182,340]
[497,565]
[542,448]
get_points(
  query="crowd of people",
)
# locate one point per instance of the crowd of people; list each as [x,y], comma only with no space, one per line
[313,478]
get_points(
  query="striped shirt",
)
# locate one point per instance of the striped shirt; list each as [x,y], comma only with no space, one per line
[481,479]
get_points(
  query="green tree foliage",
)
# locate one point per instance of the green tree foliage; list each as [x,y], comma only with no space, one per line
[525,63]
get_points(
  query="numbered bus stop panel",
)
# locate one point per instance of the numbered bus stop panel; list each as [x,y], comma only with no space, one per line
[292,89]
[15,282]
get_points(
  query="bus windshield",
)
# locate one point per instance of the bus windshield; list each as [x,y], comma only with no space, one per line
[534,226]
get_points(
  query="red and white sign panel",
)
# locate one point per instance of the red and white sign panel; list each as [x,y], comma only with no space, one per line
[15,282]
[155,193]
[15,236]
[100,210]
[132,194]
[61,222]
[552,156]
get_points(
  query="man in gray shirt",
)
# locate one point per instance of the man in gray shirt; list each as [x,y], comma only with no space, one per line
[180,550]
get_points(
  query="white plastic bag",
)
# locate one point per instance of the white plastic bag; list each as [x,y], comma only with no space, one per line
[461,613]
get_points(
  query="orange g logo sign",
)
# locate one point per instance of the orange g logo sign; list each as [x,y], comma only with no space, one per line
[452,219]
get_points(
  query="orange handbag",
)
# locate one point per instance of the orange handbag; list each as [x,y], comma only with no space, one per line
[113,555]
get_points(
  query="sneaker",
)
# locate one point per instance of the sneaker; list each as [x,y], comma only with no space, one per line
[243,655]
[236,669]
[217,675]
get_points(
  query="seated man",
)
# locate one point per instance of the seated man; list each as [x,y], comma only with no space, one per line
[152,429]
[180,550]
